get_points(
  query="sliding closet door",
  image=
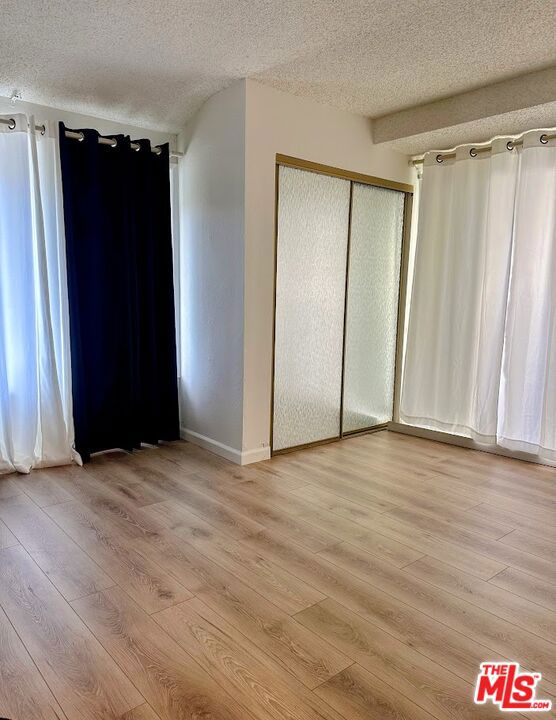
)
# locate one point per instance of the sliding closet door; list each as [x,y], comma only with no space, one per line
[372,306]
[313,213]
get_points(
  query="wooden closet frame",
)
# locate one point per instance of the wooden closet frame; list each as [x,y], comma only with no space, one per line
[352,177]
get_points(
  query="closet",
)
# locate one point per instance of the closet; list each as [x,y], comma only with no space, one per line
[339,242]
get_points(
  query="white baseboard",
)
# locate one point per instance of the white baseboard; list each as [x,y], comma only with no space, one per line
[240,457]
[256,455]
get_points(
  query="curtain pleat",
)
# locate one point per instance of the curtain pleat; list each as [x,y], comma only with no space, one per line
[120,283]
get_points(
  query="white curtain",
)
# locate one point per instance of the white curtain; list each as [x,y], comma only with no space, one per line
[36,427]
[527,420]
[481,337]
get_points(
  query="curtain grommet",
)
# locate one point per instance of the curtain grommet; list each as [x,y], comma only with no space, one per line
[43,129]
[157,150]
[81,137]
[544,139]
[11,124]
[473,152]
[439,159]
[115,143]
[509,145]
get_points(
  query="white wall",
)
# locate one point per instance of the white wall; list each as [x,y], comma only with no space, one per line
[277,122]
[211,270]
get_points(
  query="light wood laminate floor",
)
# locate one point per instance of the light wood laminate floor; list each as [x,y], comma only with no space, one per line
[361,580]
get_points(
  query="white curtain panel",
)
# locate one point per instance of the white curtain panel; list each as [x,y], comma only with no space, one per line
[36,427]
[455,333]
[527,419]
[480,354]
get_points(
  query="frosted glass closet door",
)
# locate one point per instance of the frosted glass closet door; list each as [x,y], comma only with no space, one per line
[372,306]
[313,212]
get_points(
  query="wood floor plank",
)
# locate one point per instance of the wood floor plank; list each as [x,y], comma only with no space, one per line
[379,544]
[385,486]
[484,468]
[118,510]
[406,473]
[522,540]
[312,489]
[266,690]
[518,521]
[8,486]
[425,683]
[138,492]
[463,520]
[493,549]
[342,528]
[363,512]
[143,712]
[371,466]
[226,520]
[127,479]
[191,458]
[487,470]
[479,494]
[311,659]
[43,488]
[7,538]
[278,497]
[169,679]
[506,605]
[482,626]
[358,695]
[417,542]
[440,643]
[301,532]
[178,559]
[540,478]
[23,692]
[98,492]
[84,679]
[213,510]
[272,477]
[335,484]
[145,581]
[269,580]
[526,586]
[492,483]
[288,643]
[181,464]
[70,569]
[227,472]
[491,463]
[422,539]
[345,529]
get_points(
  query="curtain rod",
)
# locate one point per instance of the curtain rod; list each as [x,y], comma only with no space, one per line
[107,141]
[11,123]
[474,151]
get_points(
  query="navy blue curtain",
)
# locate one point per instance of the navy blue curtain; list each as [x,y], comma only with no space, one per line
[121,296]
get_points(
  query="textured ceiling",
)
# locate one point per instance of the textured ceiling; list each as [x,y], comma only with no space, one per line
[154,63]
